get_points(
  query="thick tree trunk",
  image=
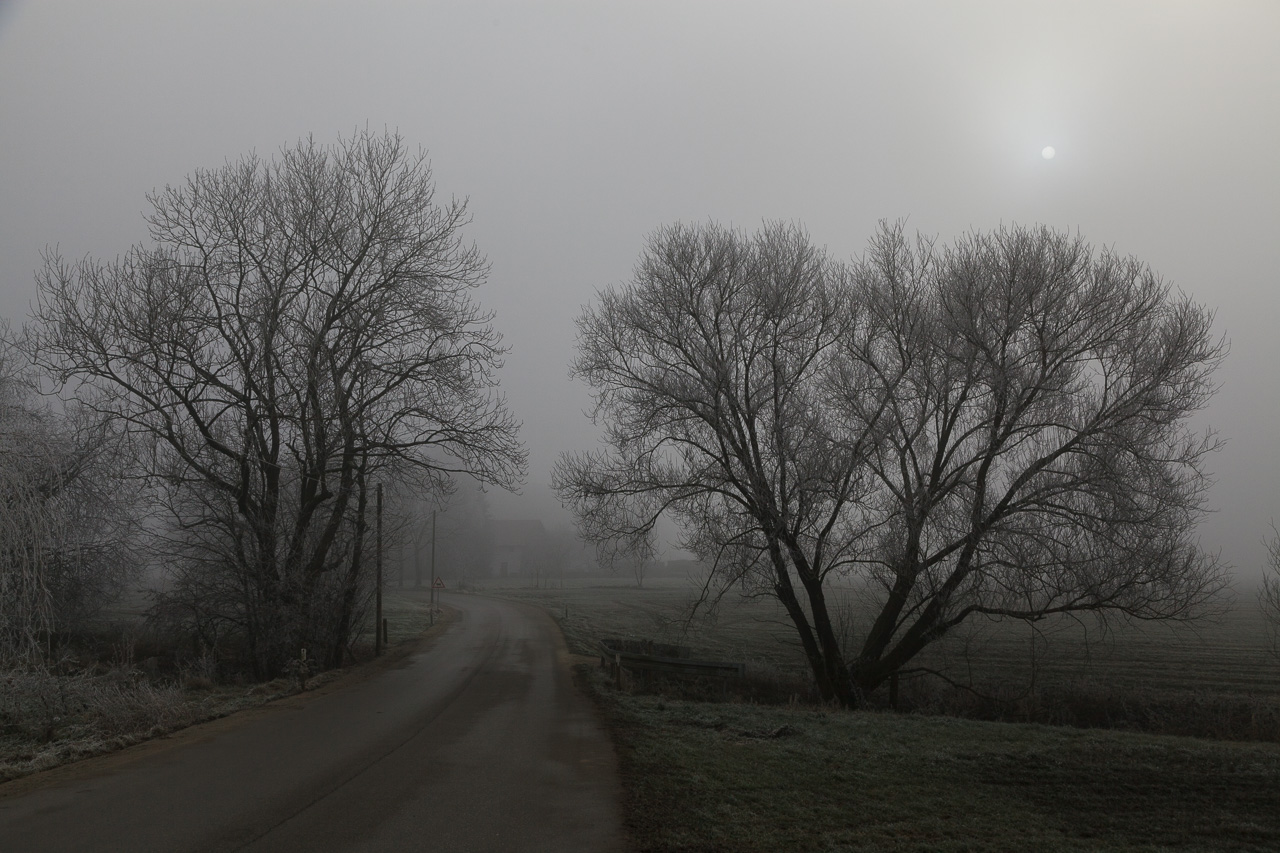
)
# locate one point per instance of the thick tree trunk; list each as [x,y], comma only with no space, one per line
[351,586]
[830,675]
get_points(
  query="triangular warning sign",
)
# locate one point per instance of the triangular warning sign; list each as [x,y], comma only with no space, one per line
[437,584]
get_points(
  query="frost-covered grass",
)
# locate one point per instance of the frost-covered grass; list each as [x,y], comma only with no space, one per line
[53,714]
[708,776]
[48,717]
[1227,655]
[711,777]
[1213,679]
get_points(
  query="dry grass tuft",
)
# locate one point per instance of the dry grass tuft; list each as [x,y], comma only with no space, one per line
[48,717]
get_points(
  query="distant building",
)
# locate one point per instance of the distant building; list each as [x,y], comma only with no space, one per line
[515,545]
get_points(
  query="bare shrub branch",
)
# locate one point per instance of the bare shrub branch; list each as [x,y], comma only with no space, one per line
[66,531]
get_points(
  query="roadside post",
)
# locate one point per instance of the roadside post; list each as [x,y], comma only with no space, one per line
[437,584]
[378,624]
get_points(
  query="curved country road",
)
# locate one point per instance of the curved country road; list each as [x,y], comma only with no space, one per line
[476,741]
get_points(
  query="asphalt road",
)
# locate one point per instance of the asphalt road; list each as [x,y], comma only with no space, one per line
[477,741]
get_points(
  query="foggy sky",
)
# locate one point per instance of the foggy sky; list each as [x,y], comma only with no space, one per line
[577,128]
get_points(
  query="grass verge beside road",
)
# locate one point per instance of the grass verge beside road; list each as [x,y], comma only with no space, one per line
[51,716]
[713,777]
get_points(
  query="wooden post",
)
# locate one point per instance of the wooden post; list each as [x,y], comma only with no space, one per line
[417,554]
[433,558]
[377,618]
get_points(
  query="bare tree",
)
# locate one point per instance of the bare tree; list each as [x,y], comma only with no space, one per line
[1035,457]
[996,429]
[299,328]
[712,376]
[66,514]
[1269,593]
[639,568]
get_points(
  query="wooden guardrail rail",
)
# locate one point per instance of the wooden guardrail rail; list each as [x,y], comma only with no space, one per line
[616,660]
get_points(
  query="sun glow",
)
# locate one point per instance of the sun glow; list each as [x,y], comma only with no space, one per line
[1048,152]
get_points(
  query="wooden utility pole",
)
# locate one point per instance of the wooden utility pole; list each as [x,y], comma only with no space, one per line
[377,621]
[417,561]
[433,547]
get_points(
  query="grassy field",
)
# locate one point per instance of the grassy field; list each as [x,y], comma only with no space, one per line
[1226,656]
[738,776]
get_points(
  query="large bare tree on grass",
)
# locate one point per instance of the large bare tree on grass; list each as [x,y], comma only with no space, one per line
[713,374]
[996,429]
[1035,458]
[298,328]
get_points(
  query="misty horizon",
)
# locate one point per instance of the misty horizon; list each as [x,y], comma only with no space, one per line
[576,130]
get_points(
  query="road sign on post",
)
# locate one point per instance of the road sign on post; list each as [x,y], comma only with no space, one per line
[437,584]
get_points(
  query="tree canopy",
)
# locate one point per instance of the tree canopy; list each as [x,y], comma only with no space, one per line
[995,428]
[297,327]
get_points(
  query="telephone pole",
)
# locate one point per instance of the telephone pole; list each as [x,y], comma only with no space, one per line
[417,561]
[377,620]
